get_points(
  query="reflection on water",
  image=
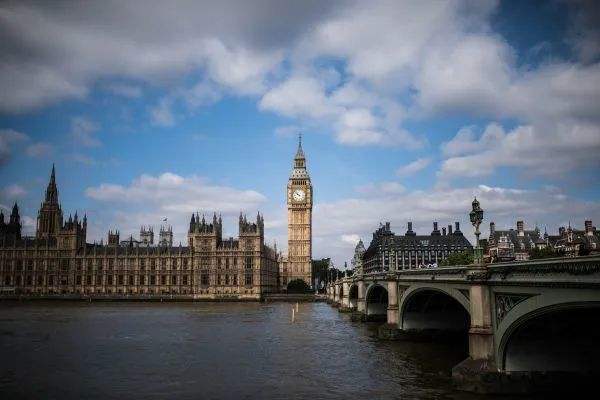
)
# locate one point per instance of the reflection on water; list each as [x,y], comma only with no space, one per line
[211,351]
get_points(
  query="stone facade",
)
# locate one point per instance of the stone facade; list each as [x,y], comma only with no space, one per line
[518,244]
[298,263]
[388,251]
[59,261]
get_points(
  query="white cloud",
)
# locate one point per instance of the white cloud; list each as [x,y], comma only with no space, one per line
[125,90]
[162,113]
[381,188]
[351,239]
[8,137]
[551,152]
[288,131]
[148,199]
[14,191]
[336,222]
[299,96]
[413,167]
[83,132]
[39,149]
[235,44]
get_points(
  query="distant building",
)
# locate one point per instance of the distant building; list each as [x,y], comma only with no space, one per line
[147,236]
[388,251]
[297,264]
[165,236]
[574,242]
[59,261]
[514,244]
[357,260]
[520,244]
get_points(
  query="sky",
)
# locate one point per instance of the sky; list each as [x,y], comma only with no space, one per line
[408,109]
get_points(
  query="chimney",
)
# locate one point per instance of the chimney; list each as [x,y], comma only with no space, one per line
[410,232]
[561,231]
[457,228]
[450,229]
[588,228]
[435,232]
[520,230]
[492,229]
[444,231]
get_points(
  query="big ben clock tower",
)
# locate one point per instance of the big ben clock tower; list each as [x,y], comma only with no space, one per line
[299,204]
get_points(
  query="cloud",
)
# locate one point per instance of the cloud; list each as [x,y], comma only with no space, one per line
[13,191]
[148,199]
[82,131]
[338,223]
[91,161]
[124,90]
[299,96]
[381,188]
[555,151]
[162,113]
[39,149]
[413,167]
[288,131]
[235,44]
[351,239]
[8,137]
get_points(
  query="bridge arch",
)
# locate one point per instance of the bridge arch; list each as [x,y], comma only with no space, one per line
[568,323]
[376,301]
[353,296]
[430,307]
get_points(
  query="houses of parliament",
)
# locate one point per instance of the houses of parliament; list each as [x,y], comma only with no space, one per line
[58,260]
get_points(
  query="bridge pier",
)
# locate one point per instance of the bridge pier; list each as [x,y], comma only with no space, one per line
[345,303]
[336,295]
[479,372]
[391,329]
[361,306]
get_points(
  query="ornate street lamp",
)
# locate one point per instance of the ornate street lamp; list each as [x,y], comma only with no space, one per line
[476,216]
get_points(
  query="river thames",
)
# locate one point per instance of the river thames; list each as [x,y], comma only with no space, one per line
[68,350]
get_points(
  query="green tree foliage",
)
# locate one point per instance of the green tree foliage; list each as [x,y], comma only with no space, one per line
[464,258]
[298,286]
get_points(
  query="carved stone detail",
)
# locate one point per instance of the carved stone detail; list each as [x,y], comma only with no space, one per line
[506,302]
[466,293]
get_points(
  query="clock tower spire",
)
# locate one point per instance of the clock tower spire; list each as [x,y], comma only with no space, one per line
[298,264]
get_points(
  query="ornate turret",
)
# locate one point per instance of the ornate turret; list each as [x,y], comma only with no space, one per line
[72,234]
[11,229]
[50,217]
[165,236]
[299,171]
[203,234]
[52,190]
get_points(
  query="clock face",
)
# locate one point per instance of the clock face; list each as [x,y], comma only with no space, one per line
[298,195]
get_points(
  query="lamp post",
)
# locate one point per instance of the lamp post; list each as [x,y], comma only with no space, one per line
[476,216]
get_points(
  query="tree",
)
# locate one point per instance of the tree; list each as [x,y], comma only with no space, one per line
[464,258]
[298,286]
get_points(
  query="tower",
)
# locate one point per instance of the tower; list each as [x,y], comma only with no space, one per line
[50,218]
[147,235]
[165,236]
[299,205]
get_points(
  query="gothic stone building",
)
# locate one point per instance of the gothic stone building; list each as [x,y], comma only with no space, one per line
[518,244]
[59,261]
[389,252]
[511,244]
[298,263]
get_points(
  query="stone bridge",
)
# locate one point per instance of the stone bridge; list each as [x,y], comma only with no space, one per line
[524,322]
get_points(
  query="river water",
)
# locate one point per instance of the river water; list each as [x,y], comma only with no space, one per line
[71,350]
